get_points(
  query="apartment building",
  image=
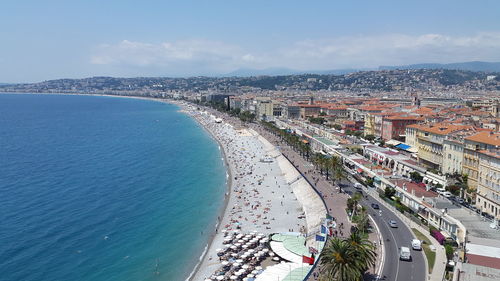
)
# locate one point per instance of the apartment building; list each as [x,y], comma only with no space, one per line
[482,165]
[429,140]
[394,127]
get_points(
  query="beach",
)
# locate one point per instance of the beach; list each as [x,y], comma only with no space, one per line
[265,192]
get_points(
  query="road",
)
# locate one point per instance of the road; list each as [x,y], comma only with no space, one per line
[393,240]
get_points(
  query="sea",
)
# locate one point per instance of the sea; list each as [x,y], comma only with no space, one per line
[102,188]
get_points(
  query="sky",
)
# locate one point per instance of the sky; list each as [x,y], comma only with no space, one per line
[50,39]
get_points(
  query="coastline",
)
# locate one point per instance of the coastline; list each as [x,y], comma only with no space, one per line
[297,200]
[227,195]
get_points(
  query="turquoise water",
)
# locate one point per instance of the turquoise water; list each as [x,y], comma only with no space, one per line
[101,188]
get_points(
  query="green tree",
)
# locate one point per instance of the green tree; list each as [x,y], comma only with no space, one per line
[415,176]
[389,192]
[347,259]
[369,137]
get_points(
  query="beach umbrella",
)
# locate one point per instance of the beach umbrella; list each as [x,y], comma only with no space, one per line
[225,263]
[239,260]
[255,271]
[276,259]
[251,250]
[271,254]
[234,255]
[218,250]
[234,247]
[237,244]
[250,275]
[245,266]
[220,277]
[245,246]
[258,267]
[208,279]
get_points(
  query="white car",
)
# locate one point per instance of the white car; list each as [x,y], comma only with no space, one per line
[447,194]
[416,244]
[404,254]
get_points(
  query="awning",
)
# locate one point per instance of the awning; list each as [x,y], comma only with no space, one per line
[359,170]
[393,142]
[403,146]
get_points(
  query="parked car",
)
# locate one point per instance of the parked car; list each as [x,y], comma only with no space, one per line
[393,224]
[358,185]
[375,206]
[404,254]
[416,244]
[447,194]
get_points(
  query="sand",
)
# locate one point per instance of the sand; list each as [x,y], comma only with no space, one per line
[260,198]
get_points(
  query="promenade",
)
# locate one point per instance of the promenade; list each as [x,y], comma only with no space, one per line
[335,201]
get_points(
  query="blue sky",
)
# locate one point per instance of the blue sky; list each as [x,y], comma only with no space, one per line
[50,39]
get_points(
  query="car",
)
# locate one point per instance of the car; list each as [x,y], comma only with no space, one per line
[404,254]
[393,224]
[416,244]
[440,190]
[375,206]
[447,194]
[357,185]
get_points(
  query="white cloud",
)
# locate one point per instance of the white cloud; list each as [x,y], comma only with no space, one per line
[205,56]
[202,54]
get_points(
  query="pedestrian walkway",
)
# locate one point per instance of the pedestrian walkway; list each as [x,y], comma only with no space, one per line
[335,201]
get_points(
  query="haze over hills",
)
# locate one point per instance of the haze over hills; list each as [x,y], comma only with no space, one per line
[283,71]
[471,66]
[275,71]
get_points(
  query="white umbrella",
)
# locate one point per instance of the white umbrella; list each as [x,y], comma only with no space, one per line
[276,259]
[240,241]
[258,267]
[250,275]
[237,273]
[220,277]
[251,250]
[237,244]
[234,255]
[255,271]
[218,250]
[234,277]
[236,264]
[225,263]
[265,250]
[271,254]
[240,260]
[208,279]
[245,266]
[244,246]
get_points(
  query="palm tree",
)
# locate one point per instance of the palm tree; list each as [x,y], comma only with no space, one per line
[347,259]
[338,262]
[364,250]
[355,200]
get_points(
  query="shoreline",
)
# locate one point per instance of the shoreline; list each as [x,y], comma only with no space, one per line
[224,135]
[182,109]
[227,195]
